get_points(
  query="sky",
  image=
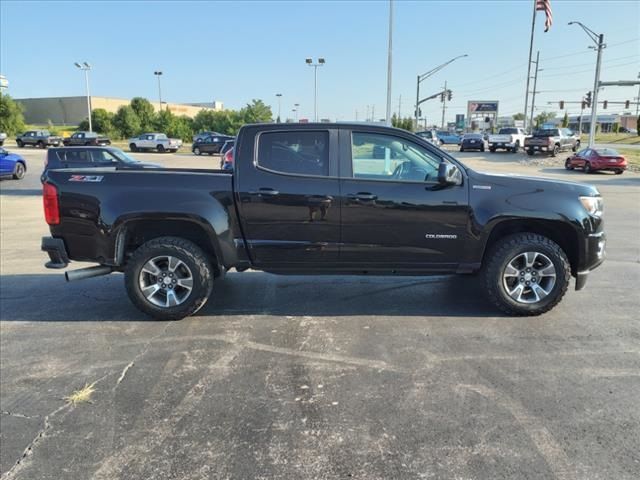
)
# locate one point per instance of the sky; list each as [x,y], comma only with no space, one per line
[237,51]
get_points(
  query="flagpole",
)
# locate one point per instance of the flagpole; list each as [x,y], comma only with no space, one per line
[526,94]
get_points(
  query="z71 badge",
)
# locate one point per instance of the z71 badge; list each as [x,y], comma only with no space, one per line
[86,178]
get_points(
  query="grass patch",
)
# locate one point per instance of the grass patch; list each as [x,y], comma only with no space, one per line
[633,157]
[618,138]
[82,395]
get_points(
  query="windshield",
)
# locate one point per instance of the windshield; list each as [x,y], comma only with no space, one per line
[546,132]
[120,155]
[507,131]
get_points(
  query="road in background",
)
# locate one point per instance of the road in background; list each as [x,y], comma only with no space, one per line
[319,376]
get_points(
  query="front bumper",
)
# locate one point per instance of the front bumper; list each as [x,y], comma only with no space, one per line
[55,248]
[595,254]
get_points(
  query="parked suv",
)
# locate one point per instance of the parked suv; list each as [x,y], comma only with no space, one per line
[154,141]
[38,138]
[210,145]
[86,138]
[552,140]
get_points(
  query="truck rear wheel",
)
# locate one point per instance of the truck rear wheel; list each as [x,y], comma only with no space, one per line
[526,274]
[133,147]
[160,148]
[169,278]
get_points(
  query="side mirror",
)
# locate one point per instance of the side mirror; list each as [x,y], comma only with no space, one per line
[449,174]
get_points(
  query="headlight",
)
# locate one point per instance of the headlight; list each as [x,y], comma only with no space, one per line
[593,205]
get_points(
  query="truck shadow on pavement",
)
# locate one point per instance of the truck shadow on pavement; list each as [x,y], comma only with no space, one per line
[48,298]
[596,178]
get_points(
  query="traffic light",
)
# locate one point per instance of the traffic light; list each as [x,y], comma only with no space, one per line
[588,99]
[561,104]
[449,95]
[627,103]
[604,104]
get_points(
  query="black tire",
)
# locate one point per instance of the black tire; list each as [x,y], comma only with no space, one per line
[576,147]
[567,164]
[196,151]
[462,149]
[87,144]
[506,249]
[20,143]
[160,148]
[516,147]
[191,255]
[619,172]
[40,144]
[133,147]
[530,152]
[492,149]
[19,171]
[555,151]
[587,168]
[482,149]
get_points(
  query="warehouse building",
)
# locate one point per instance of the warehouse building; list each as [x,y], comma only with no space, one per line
[72,110]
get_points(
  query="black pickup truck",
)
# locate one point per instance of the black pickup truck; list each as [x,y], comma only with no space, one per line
[86,139]
[324,199]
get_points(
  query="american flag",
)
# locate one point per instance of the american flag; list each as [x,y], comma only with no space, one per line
[545,6]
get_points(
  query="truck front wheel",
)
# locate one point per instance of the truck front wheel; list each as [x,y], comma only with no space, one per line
[169,278]
[526,274]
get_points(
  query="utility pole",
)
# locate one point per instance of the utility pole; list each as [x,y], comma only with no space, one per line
[400,106]
[526,92]
[533,94]
[373,113]
[444,103]
[598,39]
[389,59]
[638,100]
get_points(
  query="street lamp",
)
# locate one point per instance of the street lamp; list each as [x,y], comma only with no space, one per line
[320,63]
[86,67]
[279,95]
[297,105]
[159,74]
[598,39]
[426,75]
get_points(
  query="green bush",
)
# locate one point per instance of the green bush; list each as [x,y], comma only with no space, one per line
[11,116]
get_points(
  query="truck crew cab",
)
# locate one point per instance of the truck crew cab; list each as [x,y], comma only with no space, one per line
[324,199]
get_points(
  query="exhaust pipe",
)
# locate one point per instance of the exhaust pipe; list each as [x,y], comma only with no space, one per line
[88,272]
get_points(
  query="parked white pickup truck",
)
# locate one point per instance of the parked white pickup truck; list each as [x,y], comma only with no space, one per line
[510,138]
[154,141]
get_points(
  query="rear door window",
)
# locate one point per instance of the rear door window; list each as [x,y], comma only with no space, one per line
[295,152]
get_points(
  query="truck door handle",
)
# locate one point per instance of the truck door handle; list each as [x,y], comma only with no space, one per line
[364,196]
[266,191]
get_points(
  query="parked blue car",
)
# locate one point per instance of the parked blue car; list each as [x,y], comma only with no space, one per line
[448,138]
[12,164]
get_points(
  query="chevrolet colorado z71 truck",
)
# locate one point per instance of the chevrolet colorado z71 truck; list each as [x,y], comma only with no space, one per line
[324,199]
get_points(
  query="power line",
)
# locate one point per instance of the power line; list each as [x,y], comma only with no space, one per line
[590,70]
[590,63]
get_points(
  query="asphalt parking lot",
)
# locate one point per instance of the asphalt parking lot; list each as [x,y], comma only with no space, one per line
[319,377]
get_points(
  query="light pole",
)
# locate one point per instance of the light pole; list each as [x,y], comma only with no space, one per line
[389,56]
[279,95]
[598,39]
[426,75]
[297,105]
[86,67]
[158,74]
[320,63]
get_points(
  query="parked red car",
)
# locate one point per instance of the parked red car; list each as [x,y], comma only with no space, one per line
[595,159]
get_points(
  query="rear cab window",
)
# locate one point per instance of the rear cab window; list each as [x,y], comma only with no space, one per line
[297,152]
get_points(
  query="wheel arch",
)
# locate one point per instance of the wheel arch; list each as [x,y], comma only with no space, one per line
[562,233]
[133,232]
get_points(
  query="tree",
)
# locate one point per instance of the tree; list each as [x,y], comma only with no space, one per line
[544,117]
[145,112]
[256,112]
[11,116]
[615,127]
[126,122]
[518,116]
[101,122]
[565,120]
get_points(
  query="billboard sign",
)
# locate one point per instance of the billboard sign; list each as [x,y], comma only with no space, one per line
[482,107]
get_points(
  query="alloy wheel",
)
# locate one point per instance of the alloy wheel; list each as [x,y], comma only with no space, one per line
[165,281]
[529,277]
